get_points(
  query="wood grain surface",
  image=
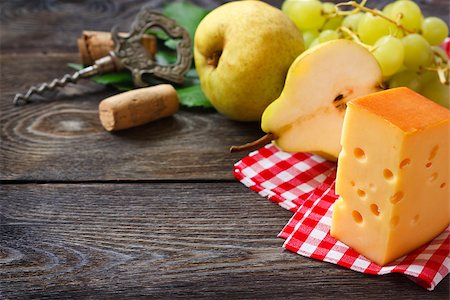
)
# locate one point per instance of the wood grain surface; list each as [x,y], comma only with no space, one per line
[137,240]
[61,139]
[150,212]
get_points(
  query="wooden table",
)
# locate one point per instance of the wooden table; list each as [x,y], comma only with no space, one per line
[150,212]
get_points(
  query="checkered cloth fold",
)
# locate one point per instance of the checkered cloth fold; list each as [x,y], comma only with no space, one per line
[304,184]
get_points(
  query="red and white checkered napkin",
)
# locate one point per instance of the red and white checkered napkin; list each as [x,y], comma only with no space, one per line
[285,178]
[304,183]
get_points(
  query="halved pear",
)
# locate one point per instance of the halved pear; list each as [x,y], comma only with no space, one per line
[308,115]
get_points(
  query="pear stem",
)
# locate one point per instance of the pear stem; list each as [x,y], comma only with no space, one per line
[255,144]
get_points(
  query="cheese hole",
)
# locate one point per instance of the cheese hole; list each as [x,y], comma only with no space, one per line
[397,197]
[352,183]
[394,221]
[433,152]
[429,164]
[415,220]
[361,193]
[433,177]
[406,162]
[372,187]
[375,209]
[388,175]
[443,185]
[357,217]
[359,154]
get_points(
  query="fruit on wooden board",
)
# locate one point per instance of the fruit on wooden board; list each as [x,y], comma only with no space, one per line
[242,53]
[400,37]
[308,115]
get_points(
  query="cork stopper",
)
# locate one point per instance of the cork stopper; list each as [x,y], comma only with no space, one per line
[93,45]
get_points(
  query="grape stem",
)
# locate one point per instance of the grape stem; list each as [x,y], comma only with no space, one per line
[346,13]
[361,7]
[440,67]
[439,54]
[440,62]
[354,37]
[443,73]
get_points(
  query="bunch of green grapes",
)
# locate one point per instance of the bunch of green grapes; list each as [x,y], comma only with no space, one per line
[403,41]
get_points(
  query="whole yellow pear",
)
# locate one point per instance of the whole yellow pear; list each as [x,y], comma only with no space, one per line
[242,53]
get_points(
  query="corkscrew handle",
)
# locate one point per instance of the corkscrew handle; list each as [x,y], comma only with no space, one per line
[130,54]
[103,65]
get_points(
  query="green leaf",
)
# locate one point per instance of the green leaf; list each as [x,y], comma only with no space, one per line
[158,33]
[192,73]
[77,67]
[119,78]
[186,14]
[113,78]
[166,57]
[171,44]
[123,87]
[193,96]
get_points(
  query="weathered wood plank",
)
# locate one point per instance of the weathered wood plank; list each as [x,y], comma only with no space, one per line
[49,26]
[64,140]
[164,240]
[61,22]
[161,240]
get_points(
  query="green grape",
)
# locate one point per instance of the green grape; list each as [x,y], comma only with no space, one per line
[352,21]
[309,36]
[287,6]
[332,23]
[407,12]
[314,43]
[390,54]
[327,35]
[434,30]
[371,28]
[418,52]
[439,54]
[437,91]
[387,9]
[428,76]
[406,78]
[306,14]
[328,8]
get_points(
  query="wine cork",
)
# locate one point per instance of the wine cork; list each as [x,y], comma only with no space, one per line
[93,45]
[138,107]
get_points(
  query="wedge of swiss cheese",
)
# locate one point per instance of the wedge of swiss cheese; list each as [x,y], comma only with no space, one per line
[393,174]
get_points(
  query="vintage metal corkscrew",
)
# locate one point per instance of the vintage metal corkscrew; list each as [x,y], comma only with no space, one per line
[129,53]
